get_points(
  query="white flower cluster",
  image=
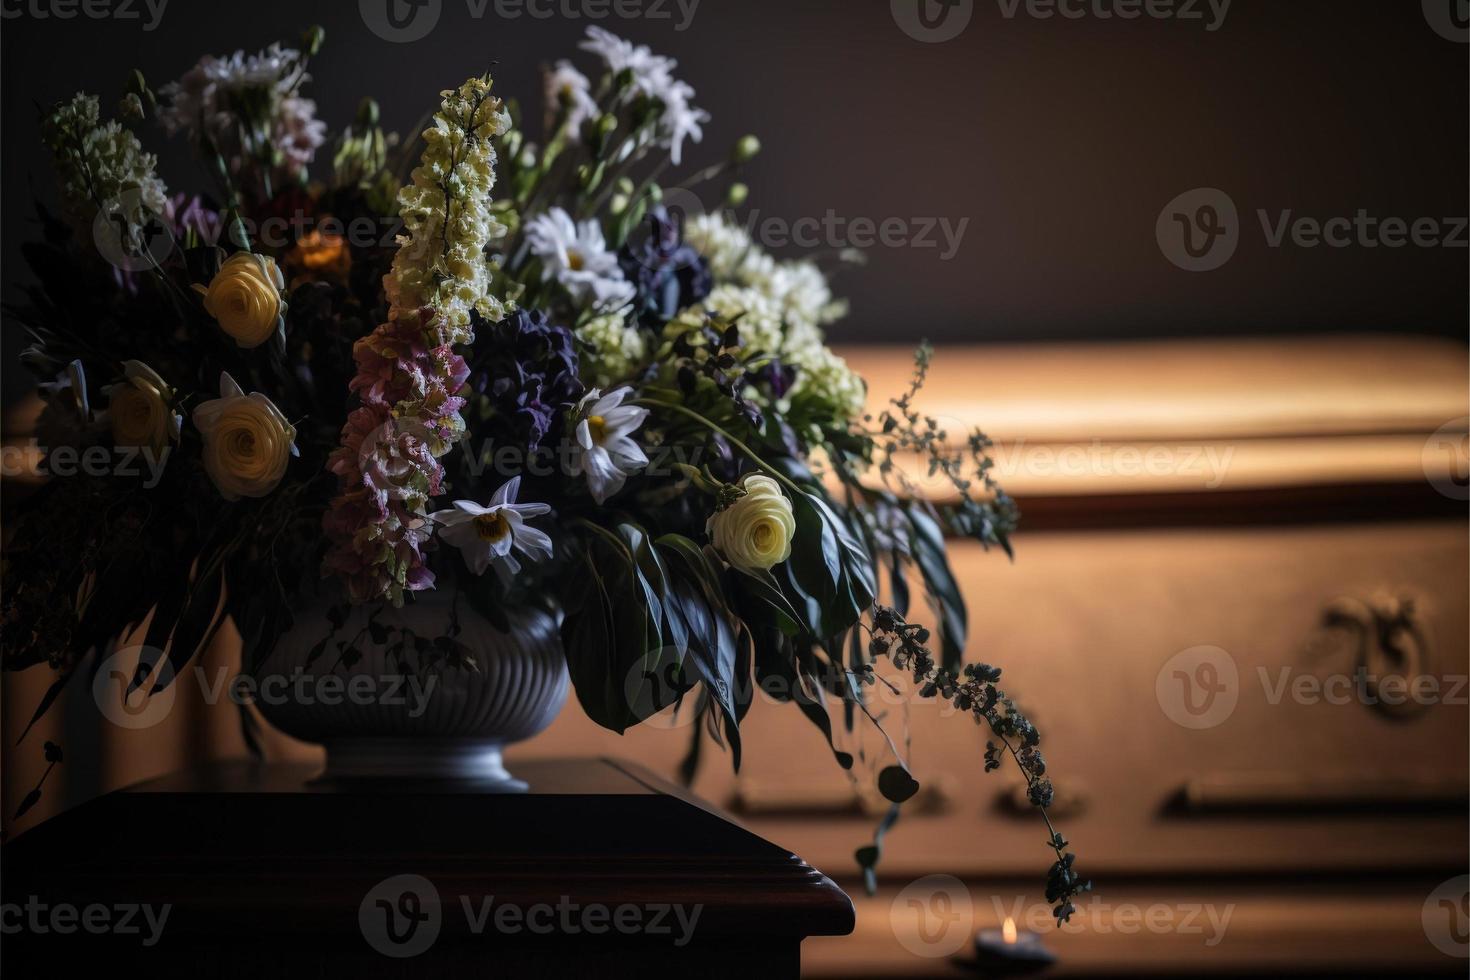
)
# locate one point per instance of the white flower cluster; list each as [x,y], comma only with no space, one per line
[798,287]
[653,76]
[102,163]
[613,350]
[255,95]
[781,306]
[441,260]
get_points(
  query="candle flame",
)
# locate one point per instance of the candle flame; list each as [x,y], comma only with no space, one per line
[1008,931]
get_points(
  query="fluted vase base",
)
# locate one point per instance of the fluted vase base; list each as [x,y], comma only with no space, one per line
[476,762]
[361,683]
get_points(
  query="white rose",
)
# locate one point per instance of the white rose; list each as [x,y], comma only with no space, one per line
[755,531]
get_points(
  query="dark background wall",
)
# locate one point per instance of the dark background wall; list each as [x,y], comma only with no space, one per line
[1059,139]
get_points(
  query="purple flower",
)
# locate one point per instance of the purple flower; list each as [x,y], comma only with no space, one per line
[669,275]
[527,367]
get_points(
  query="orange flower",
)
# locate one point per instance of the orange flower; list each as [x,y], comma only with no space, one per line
[320,256]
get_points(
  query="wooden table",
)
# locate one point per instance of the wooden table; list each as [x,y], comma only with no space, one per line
[602,868]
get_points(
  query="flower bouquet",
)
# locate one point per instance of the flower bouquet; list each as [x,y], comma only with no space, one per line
[488,365]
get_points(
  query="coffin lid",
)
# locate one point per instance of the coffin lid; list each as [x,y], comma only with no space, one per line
[1198,415]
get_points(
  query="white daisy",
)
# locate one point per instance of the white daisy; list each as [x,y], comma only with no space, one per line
[653,75]
[486,535]
[257,96]
[620,53]
[605,450]
[565,85]
[577,257]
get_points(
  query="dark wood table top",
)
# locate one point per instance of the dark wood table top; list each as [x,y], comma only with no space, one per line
[273,854]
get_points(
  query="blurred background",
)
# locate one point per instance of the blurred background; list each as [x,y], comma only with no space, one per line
[1202,272]
[1048,146]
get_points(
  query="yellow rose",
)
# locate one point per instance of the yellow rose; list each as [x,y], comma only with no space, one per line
[139,409]
[245,297]
[756,530]
[247,441]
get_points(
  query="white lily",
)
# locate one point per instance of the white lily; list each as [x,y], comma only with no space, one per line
[489,534]
[605,450]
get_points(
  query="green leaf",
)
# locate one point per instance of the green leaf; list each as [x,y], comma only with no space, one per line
[939,583]
[896,785]
[621,669]
[838,573]
[778,664]
[762,586]
[695,589]
[587,635]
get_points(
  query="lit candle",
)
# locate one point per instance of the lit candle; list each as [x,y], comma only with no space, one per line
[1008,951]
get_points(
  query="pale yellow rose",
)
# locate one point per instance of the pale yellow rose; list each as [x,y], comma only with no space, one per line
[245,297]
[140,409]
[755,531]
[247,441]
